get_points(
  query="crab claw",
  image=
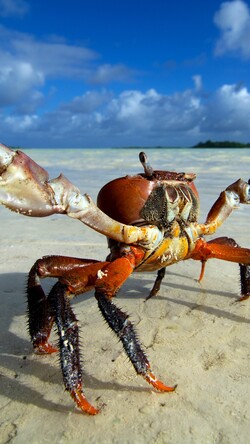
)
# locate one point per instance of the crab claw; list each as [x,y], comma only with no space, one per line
[25,186]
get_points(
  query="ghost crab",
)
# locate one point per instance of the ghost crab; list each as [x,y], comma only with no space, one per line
[150,220]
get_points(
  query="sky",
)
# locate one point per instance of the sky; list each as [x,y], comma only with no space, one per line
[106,73]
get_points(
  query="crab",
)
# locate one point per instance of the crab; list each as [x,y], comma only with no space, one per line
[151,222]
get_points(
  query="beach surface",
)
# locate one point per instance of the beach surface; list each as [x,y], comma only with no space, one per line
[195,335]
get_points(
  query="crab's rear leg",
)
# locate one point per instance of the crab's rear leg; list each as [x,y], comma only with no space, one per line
[226,249]
[107,286]
[219,240]
[157,284]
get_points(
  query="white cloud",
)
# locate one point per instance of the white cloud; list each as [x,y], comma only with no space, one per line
[13,8]
[27,64]
[100,118]
[228,111]
[52,58]
[30,69]
[233,20]
[134,117]
[88,102]
[56,58]
[17,82]
[198,82]
[20,122]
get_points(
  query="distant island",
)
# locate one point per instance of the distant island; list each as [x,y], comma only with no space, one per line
[223,144]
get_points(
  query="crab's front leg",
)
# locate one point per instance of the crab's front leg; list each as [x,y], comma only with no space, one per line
[75,276]
[68,332]
[107,285]
[25,188]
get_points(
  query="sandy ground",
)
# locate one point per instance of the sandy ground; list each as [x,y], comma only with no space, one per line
[194,335]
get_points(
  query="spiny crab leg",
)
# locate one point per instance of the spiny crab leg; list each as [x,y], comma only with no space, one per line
[25,188]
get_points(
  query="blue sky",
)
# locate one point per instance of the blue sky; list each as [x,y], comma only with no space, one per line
[101,73]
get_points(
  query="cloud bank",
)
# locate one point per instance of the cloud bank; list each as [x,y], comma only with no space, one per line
[133,117]
[56,94]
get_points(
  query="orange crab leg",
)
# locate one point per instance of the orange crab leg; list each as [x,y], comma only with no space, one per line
[107,286]
[202,272]
[75,276]
[68,332]
[158,385]
[227,249]
[221,241]
[208,250]
[78,274]
[82,402]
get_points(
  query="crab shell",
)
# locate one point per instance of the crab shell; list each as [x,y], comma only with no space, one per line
[124,199]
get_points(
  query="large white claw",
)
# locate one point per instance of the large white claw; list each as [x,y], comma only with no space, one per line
[25,187]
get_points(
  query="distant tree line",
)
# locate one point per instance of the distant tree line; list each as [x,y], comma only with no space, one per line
[223,144]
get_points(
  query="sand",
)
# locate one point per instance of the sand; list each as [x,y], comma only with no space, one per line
[194,334]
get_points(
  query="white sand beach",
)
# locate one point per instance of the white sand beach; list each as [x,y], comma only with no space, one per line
[195,335]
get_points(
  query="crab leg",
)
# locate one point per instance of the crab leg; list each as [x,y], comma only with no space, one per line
[208,250]
[78,274]
[25,188]
[219,240]
[107,286]
[227,249]
[75,276]
[70,359]
[157,284]
[40,316]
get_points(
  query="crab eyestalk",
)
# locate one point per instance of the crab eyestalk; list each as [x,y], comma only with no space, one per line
[149,172]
